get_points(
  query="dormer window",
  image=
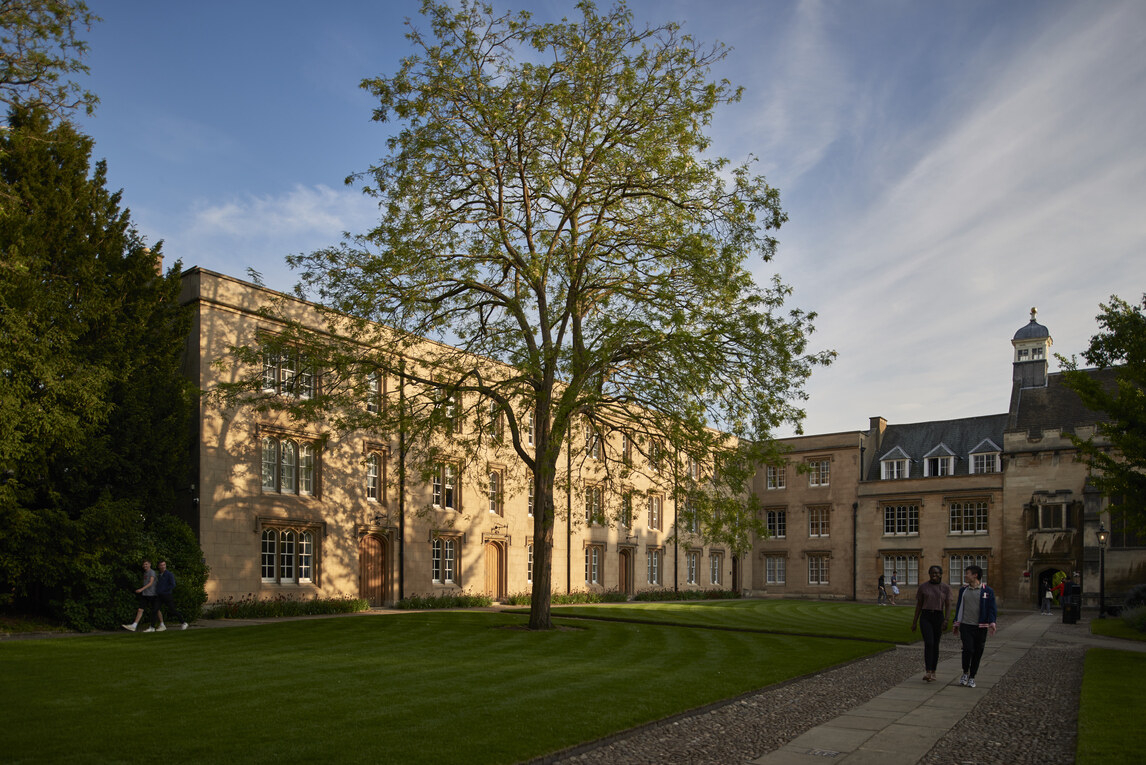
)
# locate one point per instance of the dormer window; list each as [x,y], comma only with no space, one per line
[893,469]
[1036,353]
[940,461]
[1023,354]
[895,465]
[986,457]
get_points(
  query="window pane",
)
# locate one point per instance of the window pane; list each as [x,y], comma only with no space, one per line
[306,469]
[305,556]
[270,464]
[289,464]
[270,542]
[286,557]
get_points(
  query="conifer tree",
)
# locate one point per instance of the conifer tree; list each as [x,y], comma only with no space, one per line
[95,409]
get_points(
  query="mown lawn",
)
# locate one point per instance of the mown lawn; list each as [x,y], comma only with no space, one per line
[865,621]
[406,688]
[1112,708]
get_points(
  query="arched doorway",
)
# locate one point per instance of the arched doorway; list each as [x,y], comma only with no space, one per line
[1048,578]
[495,570]
[372,569]
[625,571]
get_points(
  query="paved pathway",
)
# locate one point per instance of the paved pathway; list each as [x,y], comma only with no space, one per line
[901,725]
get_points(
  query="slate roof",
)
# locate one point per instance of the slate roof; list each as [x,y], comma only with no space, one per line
[1032,331]
[920,438]
[1056,406]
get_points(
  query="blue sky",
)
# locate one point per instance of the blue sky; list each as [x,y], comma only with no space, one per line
[945,165]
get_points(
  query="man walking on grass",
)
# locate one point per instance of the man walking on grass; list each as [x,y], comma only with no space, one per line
[165,597]
[975,615]
[146,594]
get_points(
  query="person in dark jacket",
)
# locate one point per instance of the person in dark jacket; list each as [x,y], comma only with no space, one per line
[975,614]
[165,597]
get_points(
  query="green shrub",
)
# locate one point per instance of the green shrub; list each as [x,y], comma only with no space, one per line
[1135,618]
[1135,597]
[463,600]
[659,595]
[251,607]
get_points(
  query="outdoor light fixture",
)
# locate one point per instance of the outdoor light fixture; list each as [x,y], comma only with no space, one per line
[1103,536]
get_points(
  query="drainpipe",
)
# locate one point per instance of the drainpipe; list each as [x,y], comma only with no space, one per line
[402,484]
[855,548]
[569,510]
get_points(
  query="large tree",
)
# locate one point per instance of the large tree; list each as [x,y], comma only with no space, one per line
[1117,454]
[40,52]
[96,410]
[550,212]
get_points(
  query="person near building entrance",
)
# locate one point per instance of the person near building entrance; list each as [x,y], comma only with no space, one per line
[932,609]
[1048,598]
[881,592]
[894,588]
[975,614]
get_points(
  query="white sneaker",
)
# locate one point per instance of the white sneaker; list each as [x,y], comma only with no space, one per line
[963,680]
[128,627]
[184,626]
[150,629]
[970,682]
[162,628]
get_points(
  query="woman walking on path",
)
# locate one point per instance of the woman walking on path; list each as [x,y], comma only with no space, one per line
[932,608]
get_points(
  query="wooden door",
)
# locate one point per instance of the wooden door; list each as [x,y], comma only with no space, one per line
[372,570]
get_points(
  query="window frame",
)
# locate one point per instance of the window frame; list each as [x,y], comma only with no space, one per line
[910,519]
[445,557]
[819,472]
[293,476]
[656,511]
[968,517]
[776,521]
[446,481]
[819,566]
[300,541]
[819,521]
[775,569]
[775,477]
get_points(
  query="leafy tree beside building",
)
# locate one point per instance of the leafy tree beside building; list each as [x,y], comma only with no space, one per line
[549,204]
[1118,455]
[97,414]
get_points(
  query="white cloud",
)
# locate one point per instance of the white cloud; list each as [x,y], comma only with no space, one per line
[260,231]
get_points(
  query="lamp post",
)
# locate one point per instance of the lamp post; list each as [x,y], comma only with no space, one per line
[1103,535]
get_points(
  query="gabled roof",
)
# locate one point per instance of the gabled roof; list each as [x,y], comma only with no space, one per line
[949,437]
[896,454]
[943,450]
[986,446]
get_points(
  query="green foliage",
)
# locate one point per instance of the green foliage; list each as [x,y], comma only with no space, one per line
[1135,618]
[251,607]
[97,413]
[648,596]
[460,600]
[1135,597]
[575,597]
[39,51]
[1120,346]
[551,210]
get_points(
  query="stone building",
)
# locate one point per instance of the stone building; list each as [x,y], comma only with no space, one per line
[289,509]
[285,509]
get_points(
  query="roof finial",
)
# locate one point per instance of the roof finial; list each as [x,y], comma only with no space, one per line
[1034,313]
